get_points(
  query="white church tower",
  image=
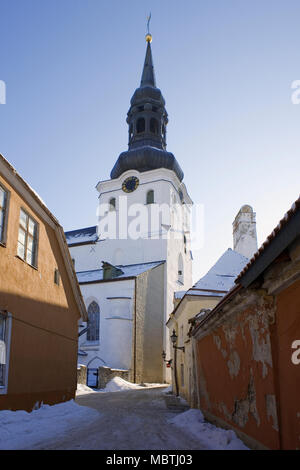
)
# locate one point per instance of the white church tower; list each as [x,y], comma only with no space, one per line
[144,208]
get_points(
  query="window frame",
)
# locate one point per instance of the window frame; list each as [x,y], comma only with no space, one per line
[150,192]
[29,216]
[3,235]
[97,326]
[7,341]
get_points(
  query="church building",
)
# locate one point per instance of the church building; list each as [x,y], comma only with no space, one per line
[130,264]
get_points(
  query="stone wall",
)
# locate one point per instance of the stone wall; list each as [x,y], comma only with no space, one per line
[105,374]
[81,374]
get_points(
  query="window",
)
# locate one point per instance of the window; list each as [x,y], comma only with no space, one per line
[4,195]
[150,197]
[140,125]
[56,277]
[184,242]
[153,126]
[4,338]
[112,204]
[27,240]
[93,322]
[180,269]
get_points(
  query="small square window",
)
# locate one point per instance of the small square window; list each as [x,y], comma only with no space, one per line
[56,277]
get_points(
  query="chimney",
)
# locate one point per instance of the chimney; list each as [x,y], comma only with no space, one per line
[244,232]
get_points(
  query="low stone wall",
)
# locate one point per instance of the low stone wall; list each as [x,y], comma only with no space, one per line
[106,374]
[81,374]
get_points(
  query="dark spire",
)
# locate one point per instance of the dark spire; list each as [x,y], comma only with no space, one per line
[147,119]
[148,76]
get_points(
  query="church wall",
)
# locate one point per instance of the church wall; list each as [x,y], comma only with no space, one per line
[116,302]
[150,325]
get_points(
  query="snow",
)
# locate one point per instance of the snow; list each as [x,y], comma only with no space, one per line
[23,430]
[132,270]
[85,235]
[117,384]
[222,275]
[210,436]
[83,389]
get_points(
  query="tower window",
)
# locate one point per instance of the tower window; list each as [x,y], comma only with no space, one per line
[150,197]
[140,125]
[130,131]
[112,204]
[153,126]
[180,269]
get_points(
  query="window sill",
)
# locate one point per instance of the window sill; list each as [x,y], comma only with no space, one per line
[3,244]
[25,262]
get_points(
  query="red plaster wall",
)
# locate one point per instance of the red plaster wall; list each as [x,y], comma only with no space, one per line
[286,332]
[219,391]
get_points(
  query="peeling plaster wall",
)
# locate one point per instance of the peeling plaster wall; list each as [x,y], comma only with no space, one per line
[235,371]
[285,331]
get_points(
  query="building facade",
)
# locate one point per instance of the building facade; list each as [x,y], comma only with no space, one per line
[248,347]
[191,305]
[40,300]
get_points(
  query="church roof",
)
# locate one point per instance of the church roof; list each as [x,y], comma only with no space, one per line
[220,278]
[82,236]
[129,271]
[148,76]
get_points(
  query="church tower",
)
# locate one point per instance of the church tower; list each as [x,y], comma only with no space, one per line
[144,208]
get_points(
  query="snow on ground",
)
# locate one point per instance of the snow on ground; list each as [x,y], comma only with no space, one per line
[117,384]
[22,430]
[211,437]
[84,389]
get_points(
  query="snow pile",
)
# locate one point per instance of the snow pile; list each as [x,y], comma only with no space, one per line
[22,430]
[210,436]
[117,384]
[84,389]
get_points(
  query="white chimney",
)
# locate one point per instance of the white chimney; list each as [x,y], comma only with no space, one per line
[244,232]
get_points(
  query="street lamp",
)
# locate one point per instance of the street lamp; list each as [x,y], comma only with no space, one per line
[174,338]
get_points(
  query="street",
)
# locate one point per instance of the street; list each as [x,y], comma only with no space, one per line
[128,420]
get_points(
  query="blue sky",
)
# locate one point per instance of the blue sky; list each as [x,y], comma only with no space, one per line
[225,69]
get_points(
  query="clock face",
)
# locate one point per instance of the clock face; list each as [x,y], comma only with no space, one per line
[130,184]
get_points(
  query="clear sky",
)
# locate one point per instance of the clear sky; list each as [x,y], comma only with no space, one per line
[225,69]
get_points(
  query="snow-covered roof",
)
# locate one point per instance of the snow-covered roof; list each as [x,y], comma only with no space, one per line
[82,236]
[179,294]
[131,270]
[220,278]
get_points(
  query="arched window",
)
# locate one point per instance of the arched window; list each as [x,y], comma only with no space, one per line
[180,269]
[140,125]
[93,323]
[153,126]
[150,197]
[130,132]
[112,204]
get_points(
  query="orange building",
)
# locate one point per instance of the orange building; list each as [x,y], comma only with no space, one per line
[247,348]
[40,300]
